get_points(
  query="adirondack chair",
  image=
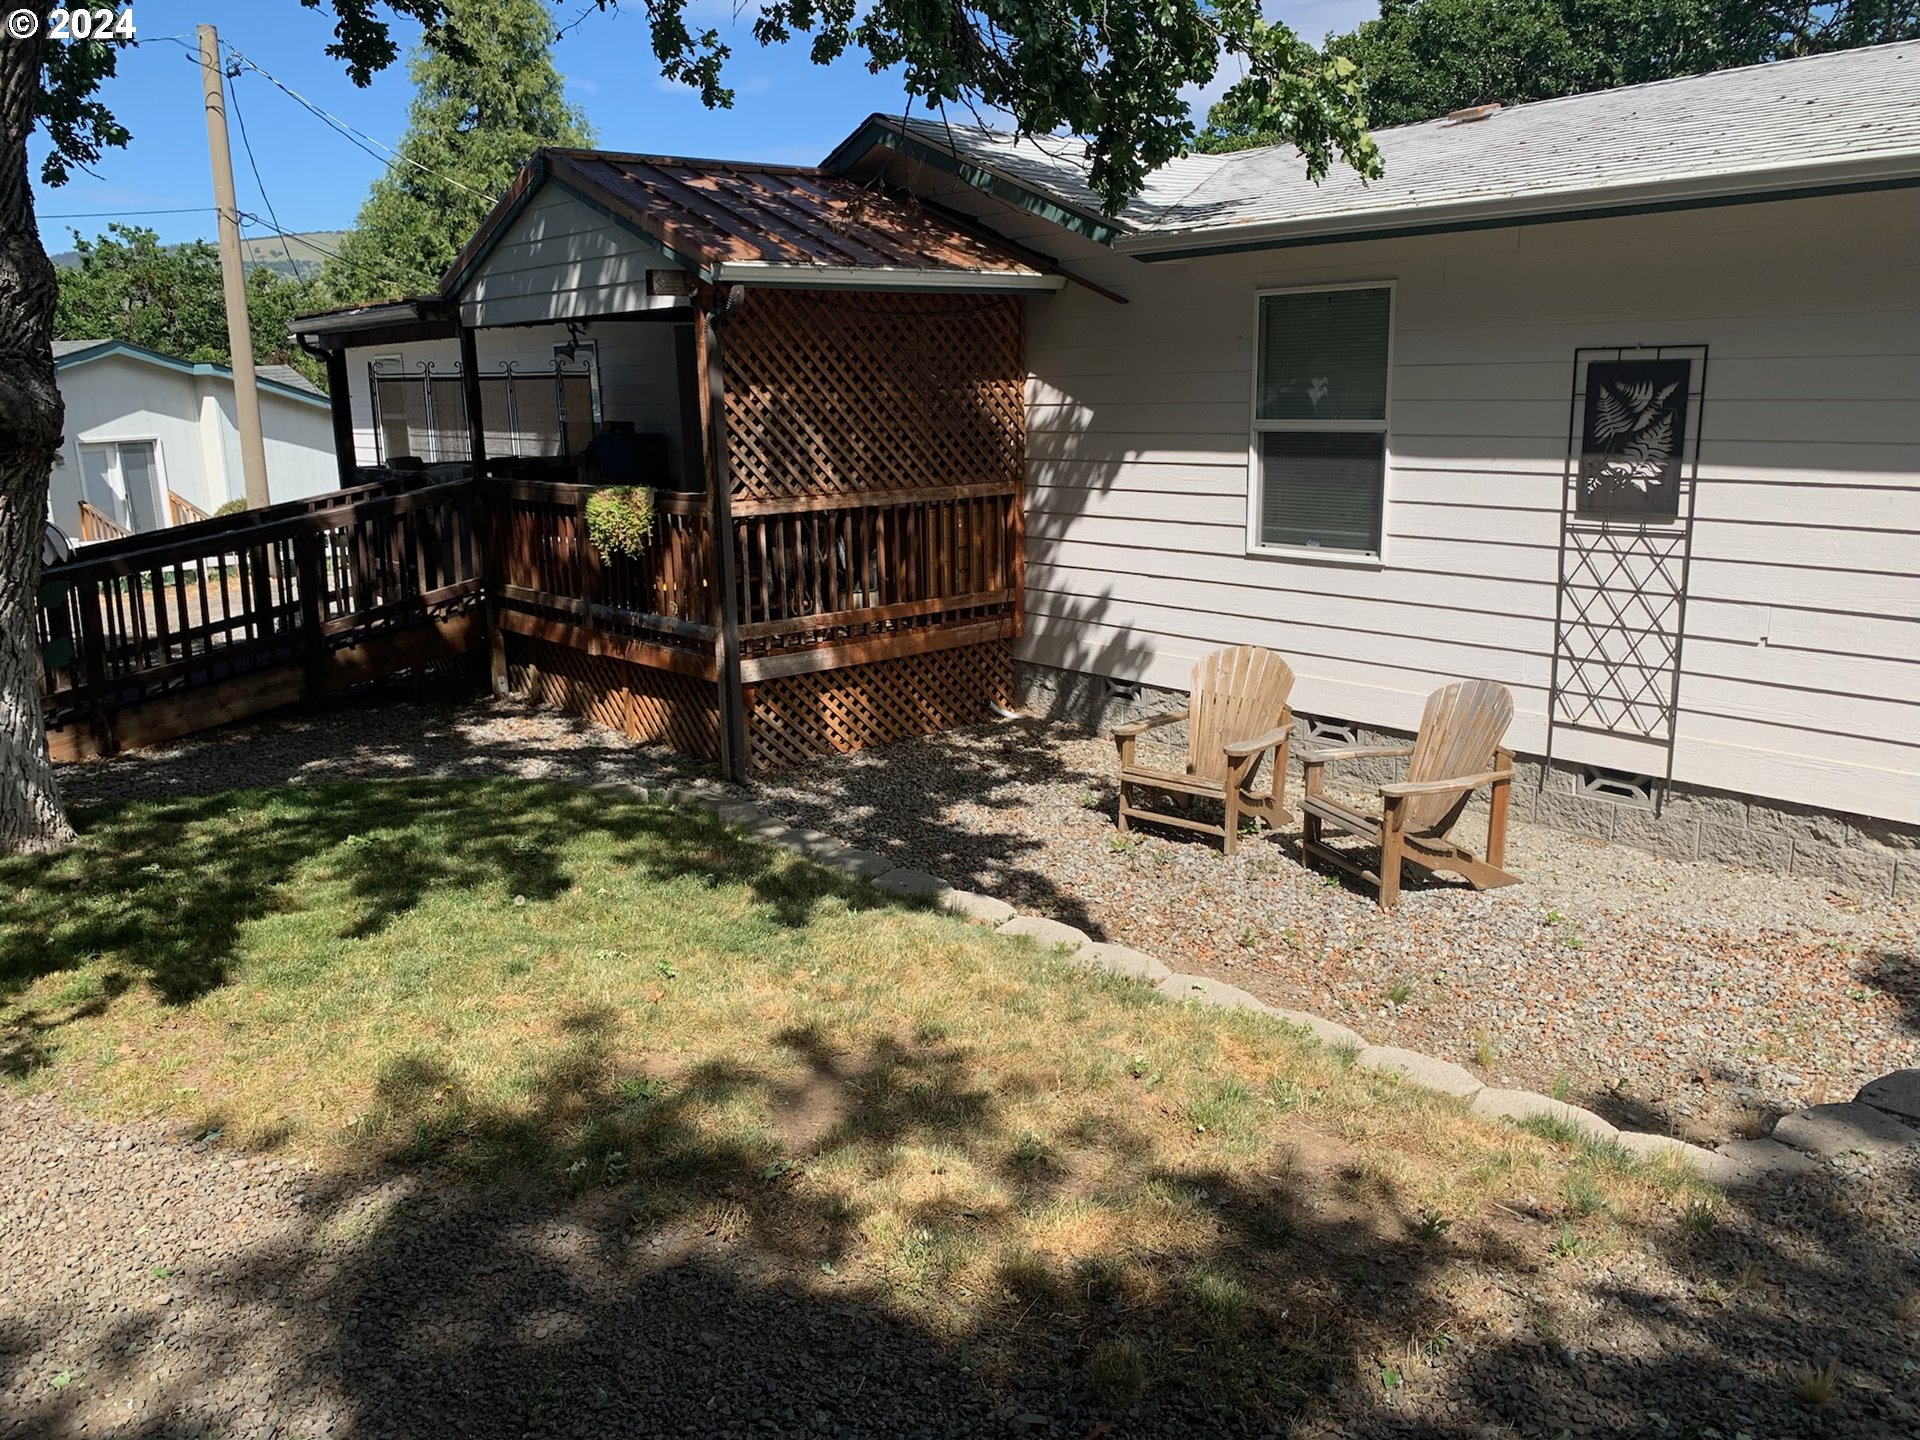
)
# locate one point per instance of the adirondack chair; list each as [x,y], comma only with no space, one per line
[1456,752]
[1236,714]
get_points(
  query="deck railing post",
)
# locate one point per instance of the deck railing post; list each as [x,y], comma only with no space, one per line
[93,664]
[732,700]
[310,571]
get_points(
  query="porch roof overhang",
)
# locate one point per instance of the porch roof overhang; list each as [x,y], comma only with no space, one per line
[792,226]
[379,322]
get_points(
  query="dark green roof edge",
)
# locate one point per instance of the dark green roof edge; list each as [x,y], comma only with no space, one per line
[877,131]
[1507,222]
[202,368]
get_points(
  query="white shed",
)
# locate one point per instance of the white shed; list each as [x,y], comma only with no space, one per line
[151,440]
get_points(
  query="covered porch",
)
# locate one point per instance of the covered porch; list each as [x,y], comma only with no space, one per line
[823,385]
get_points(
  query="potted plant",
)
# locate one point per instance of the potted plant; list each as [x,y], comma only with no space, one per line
[619,520]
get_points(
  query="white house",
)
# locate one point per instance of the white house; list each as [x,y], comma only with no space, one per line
[1614,399]
[145,431]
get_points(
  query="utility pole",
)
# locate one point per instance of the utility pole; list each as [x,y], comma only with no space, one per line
[233,276]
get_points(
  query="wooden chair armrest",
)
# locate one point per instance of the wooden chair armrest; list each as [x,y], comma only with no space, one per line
[1443,787]
[1240,749]
[1352,752]
[1140,727]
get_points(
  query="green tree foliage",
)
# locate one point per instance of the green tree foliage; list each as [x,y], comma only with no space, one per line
[128,286]
[1423,58]
[483,103]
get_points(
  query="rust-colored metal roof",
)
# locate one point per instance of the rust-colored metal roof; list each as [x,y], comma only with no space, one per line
[728,221]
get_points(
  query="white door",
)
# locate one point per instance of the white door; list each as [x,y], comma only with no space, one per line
[122,481]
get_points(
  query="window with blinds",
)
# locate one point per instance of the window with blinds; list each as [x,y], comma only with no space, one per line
[1320,419]
[539,413]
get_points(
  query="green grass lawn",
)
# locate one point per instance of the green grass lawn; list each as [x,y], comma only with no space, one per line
[559,992]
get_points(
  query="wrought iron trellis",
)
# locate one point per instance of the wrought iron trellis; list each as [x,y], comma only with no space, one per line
[1620,605]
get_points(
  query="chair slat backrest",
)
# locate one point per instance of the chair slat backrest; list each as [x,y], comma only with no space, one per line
[1461,728]
[1237,694]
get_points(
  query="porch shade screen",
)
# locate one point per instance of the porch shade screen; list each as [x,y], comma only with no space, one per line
[426,415]
[1320,419]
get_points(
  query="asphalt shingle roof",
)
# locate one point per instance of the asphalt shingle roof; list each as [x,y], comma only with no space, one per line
[1729,130]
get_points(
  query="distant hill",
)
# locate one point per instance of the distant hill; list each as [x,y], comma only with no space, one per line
[297,257]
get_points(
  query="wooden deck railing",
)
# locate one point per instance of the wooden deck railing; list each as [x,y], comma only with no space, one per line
[151,636]
[183,511]
[148,637]
[96,525]
[838,573]
[656,608]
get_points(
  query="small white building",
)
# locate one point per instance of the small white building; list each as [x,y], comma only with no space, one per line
[146,432]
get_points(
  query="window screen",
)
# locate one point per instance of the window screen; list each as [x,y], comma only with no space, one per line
[540,413]
[1320,419]
[1321,490]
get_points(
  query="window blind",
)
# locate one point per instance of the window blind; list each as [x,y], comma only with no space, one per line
[1321,489]
[1323,355]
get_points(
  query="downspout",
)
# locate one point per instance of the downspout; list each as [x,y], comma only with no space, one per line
[714,307]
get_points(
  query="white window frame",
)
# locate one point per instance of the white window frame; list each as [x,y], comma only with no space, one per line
[1383,427]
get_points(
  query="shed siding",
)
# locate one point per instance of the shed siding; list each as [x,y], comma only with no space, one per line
[1802,661]
[561,259]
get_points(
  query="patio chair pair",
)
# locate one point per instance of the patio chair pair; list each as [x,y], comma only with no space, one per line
[1238,715]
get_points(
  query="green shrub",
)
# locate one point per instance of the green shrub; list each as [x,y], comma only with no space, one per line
[619,519]
[232,507]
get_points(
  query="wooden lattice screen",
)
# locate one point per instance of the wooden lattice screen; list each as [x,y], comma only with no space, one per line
[645,703]
[833,393]
[827,712]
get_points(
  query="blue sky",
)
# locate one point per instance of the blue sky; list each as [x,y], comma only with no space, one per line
[786,109]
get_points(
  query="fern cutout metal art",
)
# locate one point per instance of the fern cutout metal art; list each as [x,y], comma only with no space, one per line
[1635,434]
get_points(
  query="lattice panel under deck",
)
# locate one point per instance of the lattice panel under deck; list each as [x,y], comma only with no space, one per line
[828,712]
[835,393]
[644,703]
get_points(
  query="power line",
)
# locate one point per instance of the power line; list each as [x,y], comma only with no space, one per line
[115,214]
[239,116]
[358,136]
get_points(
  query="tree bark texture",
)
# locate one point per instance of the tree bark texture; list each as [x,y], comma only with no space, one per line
[31,415]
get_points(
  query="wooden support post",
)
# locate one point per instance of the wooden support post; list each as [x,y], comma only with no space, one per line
[93,664]
[489,522]
[310,570]
[726,619]
[340,399]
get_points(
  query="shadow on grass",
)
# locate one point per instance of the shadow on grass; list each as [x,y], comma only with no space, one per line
[646,1262]
[166,889]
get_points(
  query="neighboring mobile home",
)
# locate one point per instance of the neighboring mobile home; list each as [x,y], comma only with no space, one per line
[1613,399]
[151,440]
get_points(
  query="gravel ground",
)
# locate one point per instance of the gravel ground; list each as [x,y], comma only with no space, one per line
[157,1285]
[1690,998]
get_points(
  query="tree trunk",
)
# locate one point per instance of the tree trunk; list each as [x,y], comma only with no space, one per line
[31,414]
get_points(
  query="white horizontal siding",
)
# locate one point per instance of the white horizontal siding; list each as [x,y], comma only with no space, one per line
[1802,674]
[561,259]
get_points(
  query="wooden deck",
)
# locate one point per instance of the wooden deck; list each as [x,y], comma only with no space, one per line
[156,636]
